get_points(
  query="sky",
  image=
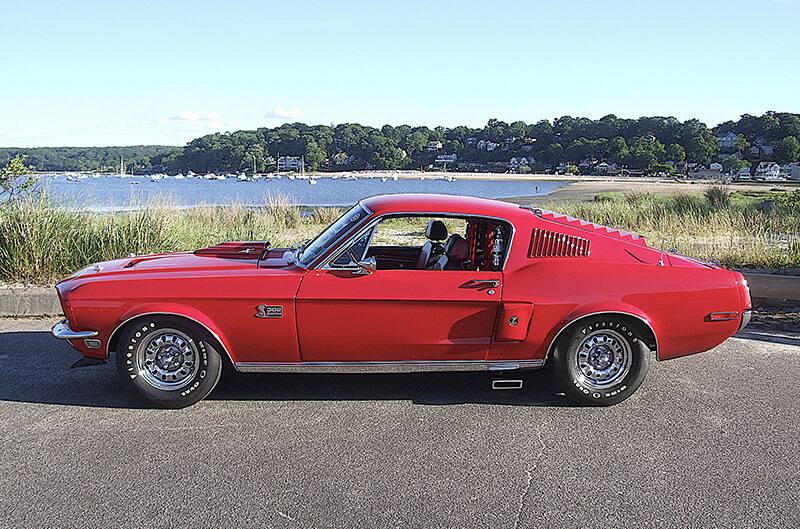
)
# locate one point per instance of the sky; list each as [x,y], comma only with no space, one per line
[92,73]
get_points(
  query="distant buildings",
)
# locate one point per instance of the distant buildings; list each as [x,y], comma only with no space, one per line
[727,141]
[444,159]
[521,161]
[768,171]
[289,163]
[488,146]
[434,146]
[792,170]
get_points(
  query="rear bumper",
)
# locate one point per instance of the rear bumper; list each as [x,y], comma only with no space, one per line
[746,315]
[61,330]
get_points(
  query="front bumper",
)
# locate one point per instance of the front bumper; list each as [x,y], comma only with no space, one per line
[746,315]
[61,330]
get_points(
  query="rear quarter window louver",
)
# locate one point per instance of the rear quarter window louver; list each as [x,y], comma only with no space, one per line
[546,243]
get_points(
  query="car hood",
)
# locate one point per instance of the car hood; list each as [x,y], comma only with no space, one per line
[223,257]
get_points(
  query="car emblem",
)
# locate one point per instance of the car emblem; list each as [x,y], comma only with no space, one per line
[269,311]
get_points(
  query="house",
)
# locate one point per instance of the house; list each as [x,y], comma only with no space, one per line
[602,168]
[486,145]
[716,167]
[518,161]
[445,159]
[762,148]
[471,141]
[699,171]
[726,142]
[744,174]
[792,170]
[434,146]
[290,163]
[768,171]
[509,142]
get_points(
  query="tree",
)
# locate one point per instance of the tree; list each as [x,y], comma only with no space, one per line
[314,156]
[676,153]
[741,144]
[618,150]
[787,150]
[15,179]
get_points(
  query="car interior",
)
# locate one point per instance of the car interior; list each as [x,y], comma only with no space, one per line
[426,243]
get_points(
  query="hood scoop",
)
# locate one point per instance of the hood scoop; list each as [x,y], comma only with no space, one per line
[235,250]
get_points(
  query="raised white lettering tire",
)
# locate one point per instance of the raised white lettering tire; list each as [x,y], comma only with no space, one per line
[601,361]
[169,361]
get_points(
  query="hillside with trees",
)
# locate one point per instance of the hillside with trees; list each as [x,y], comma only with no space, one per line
[644,145]
[137,158]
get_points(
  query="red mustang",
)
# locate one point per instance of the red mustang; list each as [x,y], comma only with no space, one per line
[407,283]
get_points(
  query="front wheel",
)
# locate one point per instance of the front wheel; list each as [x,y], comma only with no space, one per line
[169,361]
[601,361]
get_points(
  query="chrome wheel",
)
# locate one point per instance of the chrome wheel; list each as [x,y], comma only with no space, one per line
[167,359]
[603,358]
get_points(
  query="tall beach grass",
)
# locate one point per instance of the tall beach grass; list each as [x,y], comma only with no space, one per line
[40,242]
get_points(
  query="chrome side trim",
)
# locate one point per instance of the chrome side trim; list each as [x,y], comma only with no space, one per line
[61,330]
[212,333]
[387,367]
[555,338]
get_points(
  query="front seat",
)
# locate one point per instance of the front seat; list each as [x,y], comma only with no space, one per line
[436,232]
[456,251]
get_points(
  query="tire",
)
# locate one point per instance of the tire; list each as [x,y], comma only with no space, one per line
[601,361]
[169,361]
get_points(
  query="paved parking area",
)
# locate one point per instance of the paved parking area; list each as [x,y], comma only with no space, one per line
[710,440]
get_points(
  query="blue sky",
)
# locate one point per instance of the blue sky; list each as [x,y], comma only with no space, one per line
[122,73]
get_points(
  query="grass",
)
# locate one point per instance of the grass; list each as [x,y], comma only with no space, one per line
[40,242]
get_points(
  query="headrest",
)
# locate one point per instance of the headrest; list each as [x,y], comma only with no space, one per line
[456,248]
[436,230]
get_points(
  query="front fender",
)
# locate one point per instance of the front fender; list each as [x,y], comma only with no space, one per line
[172,309]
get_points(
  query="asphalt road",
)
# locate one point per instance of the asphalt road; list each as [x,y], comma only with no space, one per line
[708,441]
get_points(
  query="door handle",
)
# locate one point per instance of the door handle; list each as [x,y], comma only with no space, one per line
[486,282]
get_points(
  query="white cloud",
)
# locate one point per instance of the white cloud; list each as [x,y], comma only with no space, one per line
[193,115]
[284,113]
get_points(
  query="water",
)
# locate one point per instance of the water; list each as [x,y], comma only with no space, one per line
[108,193]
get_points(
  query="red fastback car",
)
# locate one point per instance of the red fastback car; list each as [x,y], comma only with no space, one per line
[407,283]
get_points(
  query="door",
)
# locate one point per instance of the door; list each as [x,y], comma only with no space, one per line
[397,315]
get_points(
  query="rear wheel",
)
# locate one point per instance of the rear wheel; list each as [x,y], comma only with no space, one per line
[169,361]
[601,361]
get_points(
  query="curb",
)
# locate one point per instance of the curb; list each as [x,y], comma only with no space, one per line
[21,301]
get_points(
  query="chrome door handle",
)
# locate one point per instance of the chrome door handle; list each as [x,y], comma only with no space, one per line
[488,282]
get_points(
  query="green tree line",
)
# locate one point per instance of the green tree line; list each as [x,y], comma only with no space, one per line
[647,143]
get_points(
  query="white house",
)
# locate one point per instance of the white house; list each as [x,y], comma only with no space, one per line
[486,145]
[434,146]
[743,174]
[792,170]
[518,161]
[726,141]
[290,163]
[446,158]
[716,167]
[768,171]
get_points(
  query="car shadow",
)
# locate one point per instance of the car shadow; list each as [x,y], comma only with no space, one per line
[35,368]
[769,336]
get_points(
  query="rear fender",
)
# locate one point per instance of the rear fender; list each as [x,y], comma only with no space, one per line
[597,309]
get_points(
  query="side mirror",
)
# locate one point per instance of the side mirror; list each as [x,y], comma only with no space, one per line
[366,266]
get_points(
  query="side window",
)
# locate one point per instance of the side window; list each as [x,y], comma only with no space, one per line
[431,243]
[354,253]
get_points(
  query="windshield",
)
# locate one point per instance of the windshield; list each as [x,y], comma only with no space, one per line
[309,252]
